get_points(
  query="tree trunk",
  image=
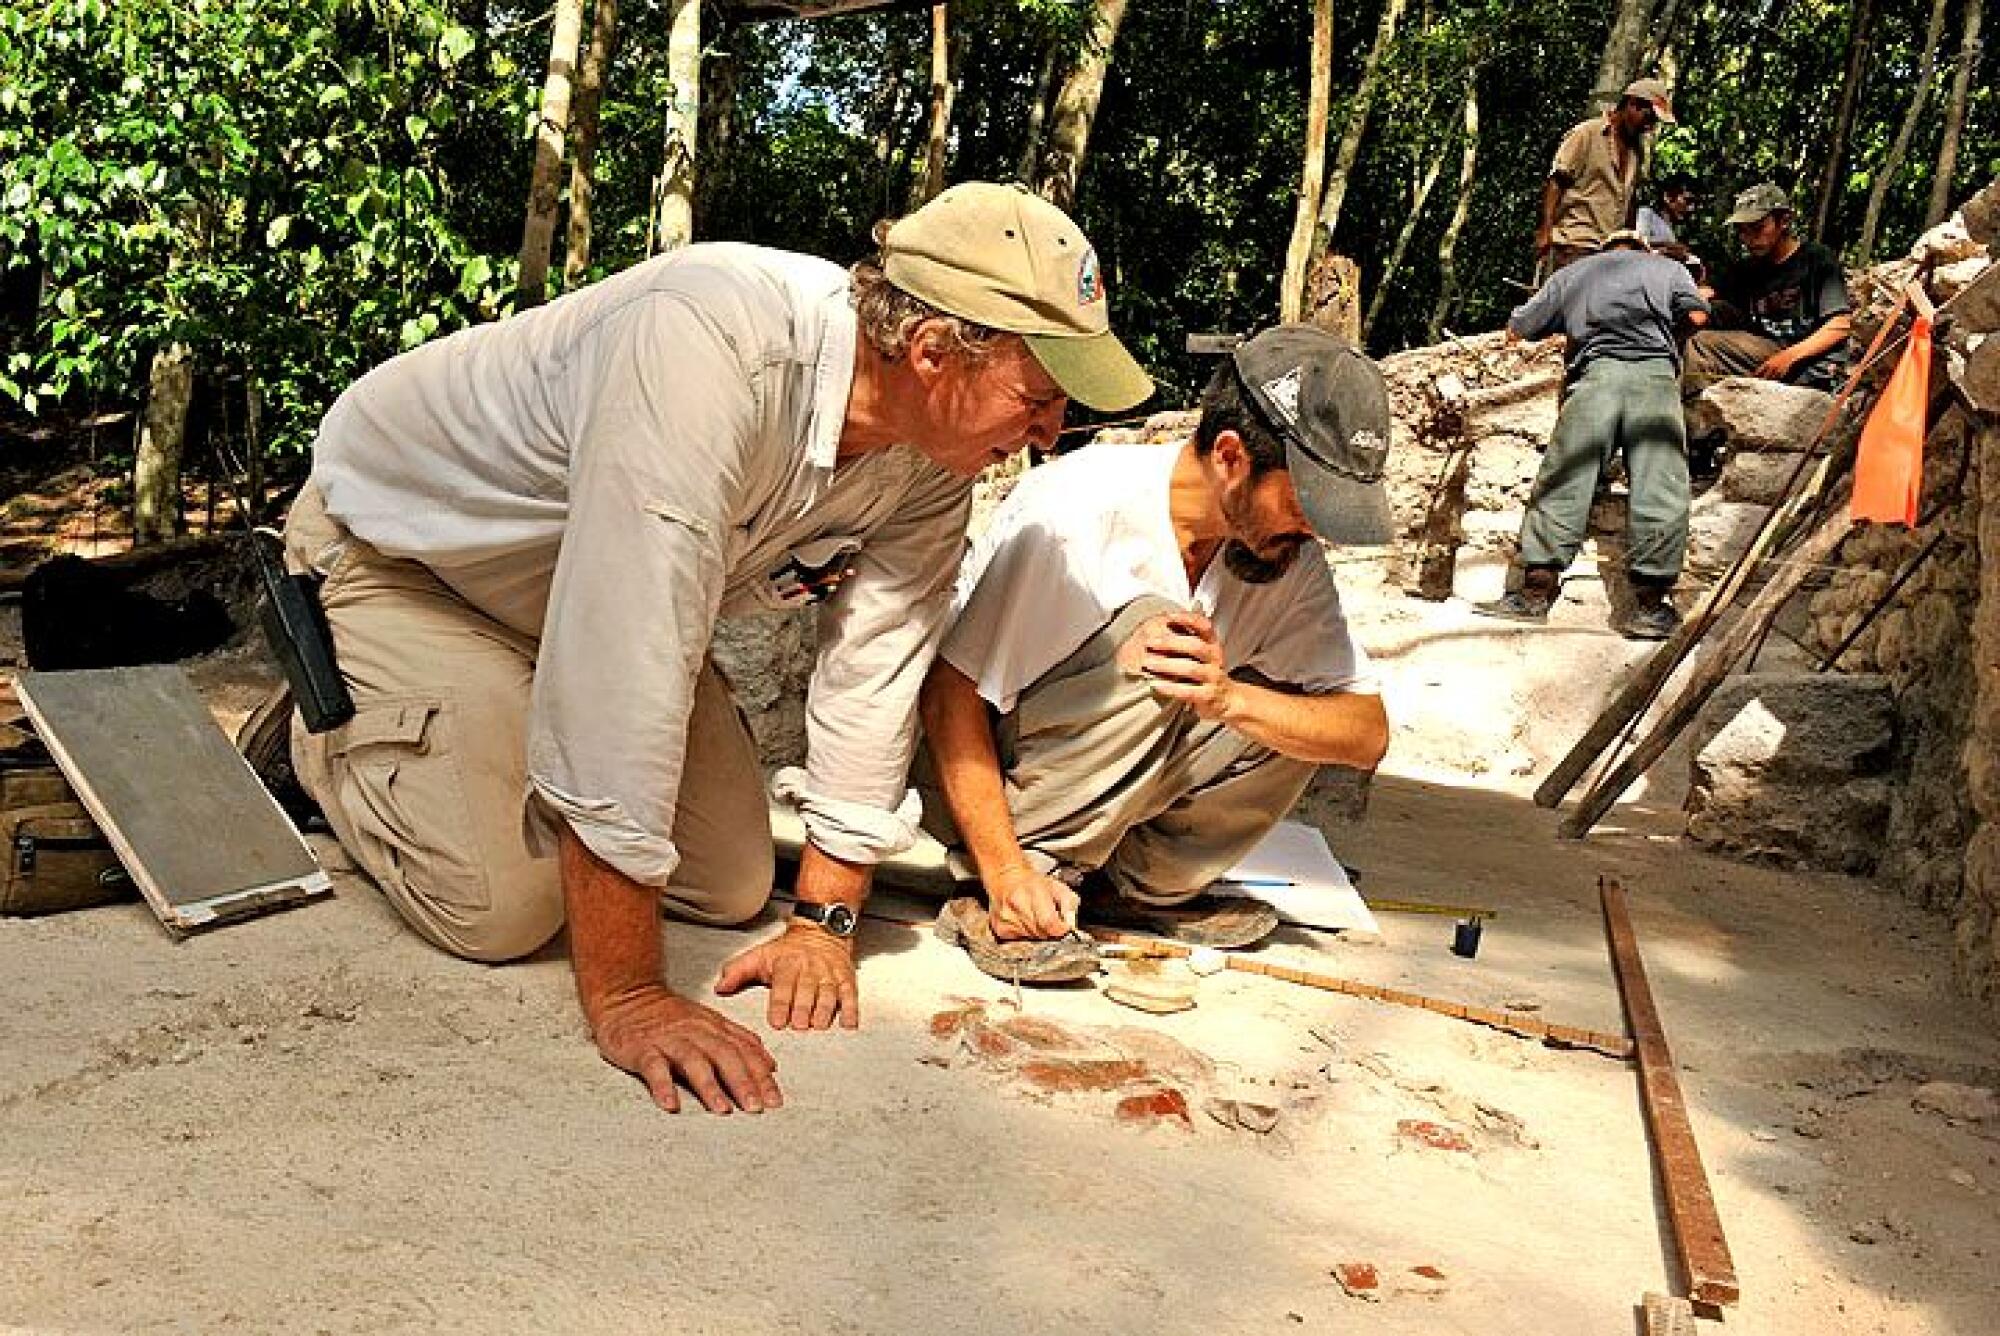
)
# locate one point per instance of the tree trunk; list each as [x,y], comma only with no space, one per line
[944,90]
[1859,37]
[1418,199]
[545,185]
[1357,127]
[1076,109]
[1298,255]
[1892,164]
[1038,114]
[675,225]
[156,473]
[1624,45]
[1659,48]
[589,97]
[1954,118]
[1448,245]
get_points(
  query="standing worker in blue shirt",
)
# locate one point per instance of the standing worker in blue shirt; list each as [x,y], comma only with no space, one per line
[1623,311]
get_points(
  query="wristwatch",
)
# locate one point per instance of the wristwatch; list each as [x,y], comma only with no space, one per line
[836,918]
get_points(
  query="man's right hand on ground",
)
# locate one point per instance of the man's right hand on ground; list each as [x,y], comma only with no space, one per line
[1025,905]
[664,1039]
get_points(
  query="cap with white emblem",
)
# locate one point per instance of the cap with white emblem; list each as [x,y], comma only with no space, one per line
[1331,406]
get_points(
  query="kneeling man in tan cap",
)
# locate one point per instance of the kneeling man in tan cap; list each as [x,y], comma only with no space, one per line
[528,530]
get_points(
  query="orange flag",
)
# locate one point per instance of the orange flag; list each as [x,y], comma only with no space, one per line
[1889,470]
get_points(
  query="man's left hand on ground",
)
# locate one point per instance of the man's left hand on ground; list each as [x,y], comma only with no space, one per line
[810,973]
[1180,655]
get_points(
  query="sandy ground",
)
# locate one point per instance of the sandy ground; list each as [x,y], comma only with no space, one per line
[316,1123]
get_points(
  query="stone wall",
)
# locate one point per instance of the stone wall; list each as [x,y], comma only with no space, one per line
[1936,640]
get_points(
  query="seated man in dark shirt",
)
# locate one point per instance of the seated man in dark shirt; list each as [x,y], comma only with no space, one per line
[1781,312]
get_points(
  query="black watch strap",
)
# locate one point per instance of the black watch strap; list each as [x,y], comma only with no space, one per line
[836,918]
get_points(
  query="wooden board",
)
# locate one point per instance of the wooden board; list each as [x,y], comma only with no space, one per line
[1703,1251]
[201,836]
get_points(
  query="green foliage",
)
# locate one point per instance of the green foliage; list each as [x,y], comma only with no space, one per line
[265,183]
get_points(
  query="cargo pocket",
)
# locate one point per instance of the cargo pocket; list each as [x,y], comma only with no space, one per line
[398,783]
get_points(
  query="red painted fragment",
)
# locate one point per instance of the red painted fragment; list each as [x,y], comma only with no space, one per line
[1435,1135]
[1156,1106]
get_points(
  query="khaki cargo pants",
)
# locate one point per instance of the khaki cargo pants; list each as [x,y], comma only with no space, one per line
[427,785]
[1101,773]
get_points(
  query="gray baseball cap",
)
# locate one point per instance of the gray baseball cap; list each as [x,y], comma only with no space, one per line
[1758,203]
[1330,405]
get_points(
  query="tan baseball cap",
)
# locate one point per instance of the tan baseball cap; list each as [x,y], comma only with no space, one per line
[1655,92]
[1004,257]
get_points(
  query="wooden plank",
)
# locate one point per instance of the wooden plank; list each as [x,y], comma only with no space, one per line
[1730,646]
[1699,1244]
[203,839]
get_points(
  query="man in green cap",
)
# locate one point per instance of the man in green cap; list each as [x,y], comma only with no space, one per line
[527,531]
[1592,186]
[1781,312]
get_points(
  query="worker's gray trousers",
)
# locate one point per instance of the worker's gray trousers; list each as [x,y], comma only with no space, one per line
[1102,773]
[1630,406]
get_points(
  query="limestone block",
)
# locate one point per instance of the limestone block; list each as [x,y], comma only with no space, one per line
[1981,215]
[1790,766]
[1719,531]
[1757,415]
[1761,478]
[1946,244]
[1808,727]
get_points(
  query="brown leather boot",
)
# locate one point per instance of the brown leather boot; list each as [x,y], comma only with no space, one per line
[1531,602]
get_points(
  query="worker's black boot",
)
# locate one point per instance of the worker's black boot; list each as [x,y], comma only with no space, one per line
[1531,602]
[1653,615]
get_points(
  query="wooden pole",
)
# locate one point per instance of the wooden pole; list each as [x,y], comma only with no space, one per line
[1703,1252]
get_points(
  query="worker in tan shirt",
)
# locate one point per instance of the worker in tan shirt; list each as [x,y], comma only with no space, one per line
[528,530]
[1592,186]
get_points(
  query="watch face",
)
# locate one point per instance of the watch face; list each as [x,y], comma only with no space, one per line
[839,920]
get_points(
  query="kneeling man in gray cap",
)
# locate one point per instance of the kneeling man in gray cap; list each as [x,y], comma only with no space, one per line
[1148,660]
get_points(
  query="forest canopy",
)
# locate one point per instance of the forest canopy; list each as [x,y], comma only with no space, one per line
[283,195]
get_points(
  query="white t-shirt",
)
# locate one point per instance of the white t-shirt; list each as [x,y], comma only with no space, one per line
[1084,535]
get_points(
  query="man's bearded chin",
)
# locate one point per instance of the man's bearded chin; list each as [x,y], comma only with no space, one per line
[1244,563]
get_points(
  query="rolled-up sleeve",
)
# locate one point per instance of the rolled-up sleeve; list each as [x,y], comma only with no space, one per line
[877,638]
[667,425]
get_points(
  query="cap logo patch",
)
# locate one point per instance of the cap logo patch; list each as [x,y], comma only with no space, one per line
[1284,394]
[1089,283]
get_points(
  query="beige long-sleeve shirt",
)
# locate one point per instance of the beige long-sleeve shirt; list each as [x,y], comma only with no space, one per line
[612,472]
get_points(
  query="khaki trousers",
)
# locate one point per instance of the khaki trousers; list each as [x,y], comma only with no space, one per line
[427,786]
[1101,773]
[1713,354]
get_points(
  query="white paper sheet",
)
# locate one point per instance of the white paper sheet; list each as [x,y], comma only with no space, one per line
[1295,872]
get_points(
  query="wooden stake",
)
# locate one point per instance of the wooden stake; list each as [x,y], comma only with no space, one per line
[1700,1246]
[1729,647]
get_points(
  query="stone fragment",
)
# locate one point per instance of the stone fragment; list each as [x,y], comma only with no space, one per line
[1950,1099]
[1752,414]
[1158,1106]
[1426,1280]
[1436,1136]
